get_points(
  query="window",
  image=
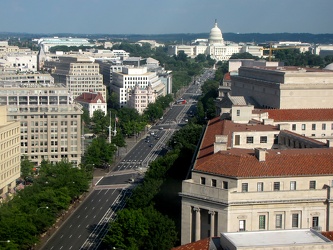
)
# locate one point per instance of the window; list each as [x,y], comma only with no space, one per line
[249,139]
[315,222]
[213,183]
[245,187]
[278,221]
[238,112]
[225,184]
[276,186]
[293,185]
[312,185]
[293,127]
[263,139]
[237,139]
[203,180]
[260,186]
[323,126]
[294,221]
[313,126]
[262,221]
[242,225]
[303,126]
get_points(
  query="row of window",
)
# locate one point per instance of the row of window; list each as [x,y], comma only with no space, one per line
[276,186]
[263,139]
[295,222]
[313,126]
[260,185]
[214,183]
[8,133]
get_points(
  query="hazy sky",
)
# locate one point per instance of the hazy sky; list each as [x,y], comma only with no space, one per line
[168,16]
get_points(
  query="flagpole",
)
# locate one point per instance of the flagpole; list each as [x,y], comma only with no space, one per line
[115,124]
[110,129]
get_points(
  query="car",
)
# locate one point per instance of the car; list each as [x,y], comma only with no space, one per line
[157,138]
[147,140]
[152,133]
[161,128]
[151,145]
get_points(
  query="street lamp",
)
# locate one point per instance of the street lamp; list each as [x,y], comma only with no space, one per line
[5,241]
[41,208]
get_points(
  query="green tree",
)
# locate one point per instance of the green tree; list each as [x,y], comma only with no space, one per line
[85,116]
[181,56]
[100,122]
[26,168]
[153,112]
[162,231]
[99,152]
[244,55]
[129,231]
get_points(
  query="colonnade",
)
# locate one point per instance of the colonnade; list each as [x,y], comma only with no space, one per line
[197,223]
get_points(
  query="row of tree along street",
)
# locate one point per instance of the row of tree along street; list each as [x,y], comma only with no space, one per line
[54,187]
[152,217]
[34,209]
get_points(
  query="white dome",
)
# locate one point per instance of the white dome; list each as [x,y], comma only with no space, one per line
[329,67]
[215,36]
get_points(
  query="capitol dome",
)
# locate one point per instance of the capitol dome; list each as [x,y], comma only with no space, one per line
[215,36]
[329,67]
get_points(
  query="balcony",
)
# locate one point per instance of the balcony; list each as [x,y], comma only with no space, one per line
[232,197]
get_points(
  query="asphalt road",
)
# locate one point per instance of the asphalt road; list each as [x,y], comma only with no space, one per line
[85,228]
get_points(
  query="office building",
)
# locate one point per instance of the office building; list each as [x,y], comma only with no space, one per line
[50,124]
[48,42]
[10,168]
[252,175]
[285,87]
[139,98]
[125,81]
[79,74]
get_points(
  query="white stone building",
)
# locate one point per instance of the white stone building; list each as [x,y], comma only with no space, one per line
[251,174]
[139,98]
[50,124]
[92,102]
[10,168]
[78,73]
[216,47]
[285,87]
[48,42]
[125,81]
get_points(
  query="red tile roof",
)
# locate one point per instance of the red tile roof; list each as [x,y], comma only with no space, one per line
[299,114]
[226,127]
[227,77]
[90,97]
[328,235]
[242,163]
[198,245]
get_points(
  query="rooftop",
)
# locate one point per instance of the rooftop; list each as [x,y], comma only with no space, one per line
[276,238]
[298,114]
[242,163]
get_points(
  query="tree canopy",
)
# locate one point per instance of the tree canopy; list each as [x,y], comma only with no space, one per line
[35,208]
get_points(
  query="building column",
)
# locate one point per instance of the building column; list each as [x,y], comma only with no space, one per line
[197,223]
[212,222]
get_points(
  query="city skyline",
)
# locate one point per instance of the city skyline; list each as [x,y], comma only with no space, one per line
[171,17]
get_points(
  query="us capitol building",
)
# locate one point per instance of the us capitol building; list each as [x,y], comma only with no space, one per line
[216,47]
